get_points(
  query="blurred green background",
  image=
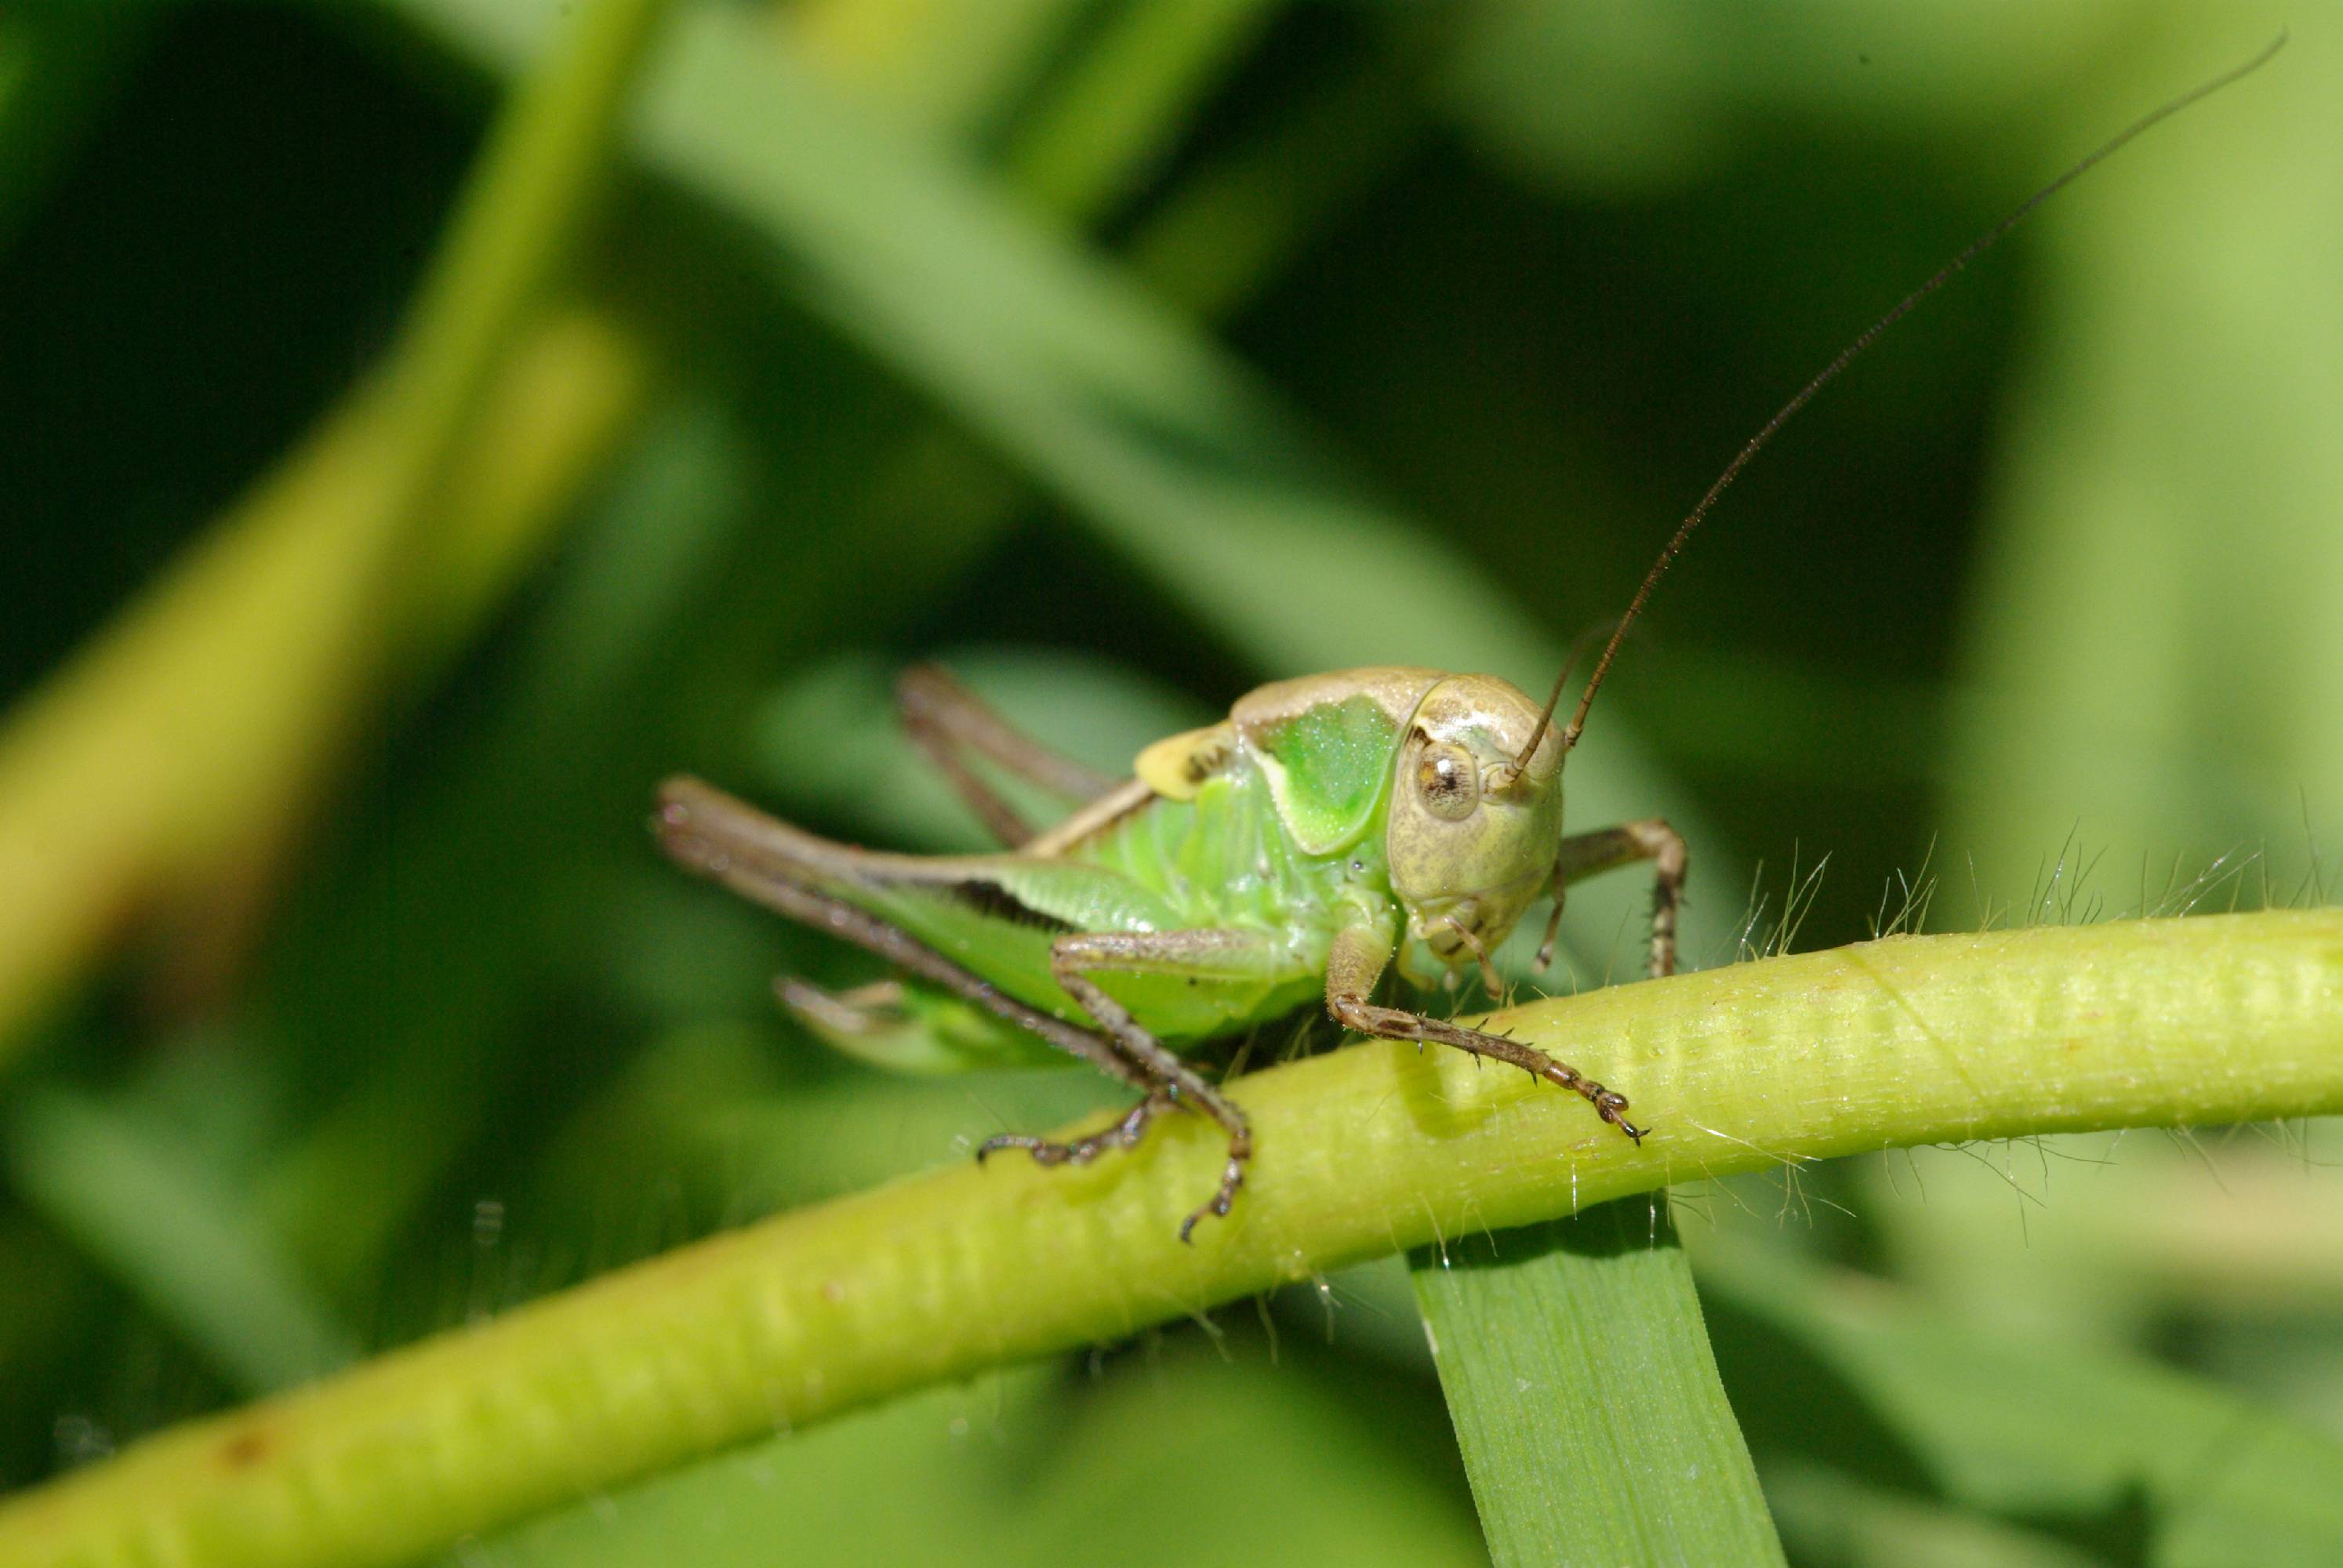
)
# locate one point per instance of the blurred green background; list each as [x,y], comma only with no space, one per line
[1121,354]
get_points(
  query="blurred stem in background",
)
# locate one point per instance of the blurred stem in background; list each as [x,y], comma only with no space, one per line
[188,747]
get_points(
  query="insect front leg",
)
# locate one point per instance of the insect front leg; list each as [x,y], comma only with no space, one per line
[948,721]
[1586,855]
[1195,955]
[1357,960]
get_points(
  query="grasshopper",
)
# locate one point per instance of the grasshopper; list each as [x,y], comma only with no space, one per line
[1329,830]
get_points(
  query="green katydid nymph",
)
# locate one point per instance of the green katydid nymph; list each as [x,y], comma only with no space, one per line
[1331,828]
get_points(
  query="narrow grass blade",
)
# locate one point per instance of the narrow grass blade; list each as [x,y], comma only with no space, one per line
[1585,1398]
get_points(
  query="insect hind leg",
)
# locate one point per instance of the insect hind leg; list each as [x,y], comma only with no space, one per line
[732,842]
[947,722]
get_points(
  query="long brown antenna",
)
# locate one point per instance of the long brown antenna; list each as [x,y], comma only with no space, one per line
[1847,356]
[1578,647]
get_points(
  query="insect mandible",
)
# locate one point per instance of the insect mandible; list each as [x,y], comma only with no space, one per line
[1330,829]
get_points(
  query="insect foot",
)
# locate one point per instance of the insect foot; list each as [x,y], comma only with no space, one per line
[1231,1177]
[1396,1023]
[1609,1104]
[1125,1133]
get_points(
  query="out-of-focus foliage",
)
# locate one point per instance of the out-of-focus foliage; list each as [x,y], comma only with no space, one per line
[1123,354]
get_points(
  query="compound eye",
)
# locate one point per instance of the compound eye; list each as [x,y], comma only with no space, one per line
[1448,781]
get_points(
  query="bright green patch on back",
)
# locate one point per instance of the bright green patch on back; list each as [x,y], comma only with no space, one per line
[1327,768]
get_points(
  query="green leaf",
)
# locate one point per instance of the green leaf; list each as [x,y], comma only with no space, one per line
[1585,1398]
[1114,117]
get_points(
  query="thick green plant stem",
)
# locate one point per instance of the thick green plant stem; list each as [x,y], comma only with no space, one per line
[1585,1396]
[1368,1150]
